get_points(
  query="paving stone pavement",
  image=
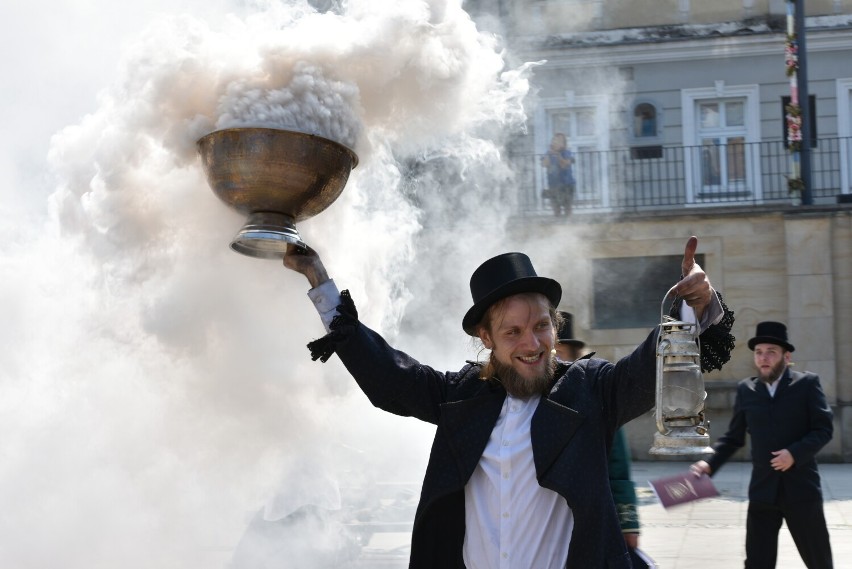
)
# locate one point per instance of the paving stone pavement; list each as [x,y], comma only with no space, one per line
[711,533]
[708,534]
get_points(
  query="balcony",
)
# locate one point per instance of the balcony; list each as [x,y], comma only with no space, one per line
[651,178]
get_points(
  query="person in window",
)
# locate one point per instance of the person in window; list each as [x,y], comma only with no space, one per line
[647,122]
[517,474]
[559,163]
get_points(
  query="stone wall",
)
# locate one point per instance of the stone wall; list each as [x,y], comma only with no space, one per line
[792,265]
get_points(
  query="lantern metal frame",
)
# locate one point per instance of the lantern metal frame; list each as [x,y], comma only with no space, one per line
[679,351]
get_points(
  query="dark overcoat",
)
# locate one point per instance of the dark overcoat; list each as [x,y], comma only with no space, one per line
[571,432]
[797,418]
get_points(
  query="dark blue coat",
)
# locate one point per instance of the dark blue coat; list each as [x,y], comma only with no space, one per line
[571,432]
[797,418]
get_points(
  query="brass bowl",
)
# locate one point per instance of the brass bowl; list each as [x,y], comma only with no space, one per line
[277,177]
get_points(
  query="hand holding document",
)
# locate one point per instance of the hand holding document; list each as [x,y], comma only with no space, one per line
[682,488]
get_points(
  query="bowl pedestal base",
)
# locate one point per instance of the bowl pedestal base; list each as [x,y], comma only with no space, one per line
[265,235]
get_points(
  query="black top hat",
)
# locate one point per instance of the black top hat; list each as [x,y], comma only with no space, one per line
[566,331]
[771,333]
[502,276]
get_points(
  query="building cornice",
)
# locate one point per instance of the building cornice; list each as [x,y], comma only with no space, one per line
[678,47]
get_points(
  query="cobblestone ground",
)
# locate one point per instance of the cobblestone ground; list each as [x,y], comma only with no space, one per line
[711,533]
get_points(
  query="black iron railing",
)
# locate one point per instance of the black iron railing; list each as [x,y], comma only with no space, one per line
[647,178]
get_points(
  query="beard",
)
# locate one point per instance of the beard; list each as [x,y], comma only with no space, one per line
[774,372]
[520,387]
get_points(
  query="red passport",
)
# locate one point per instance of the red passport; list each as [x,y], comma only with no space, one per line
[682,488]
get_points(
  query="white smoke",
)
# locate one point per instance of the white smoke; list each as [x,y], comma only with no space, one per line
[156,386]
[309,103]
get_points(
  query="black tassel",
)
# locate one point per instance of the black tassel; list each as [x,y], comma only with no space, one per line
[717,342]
[341,326]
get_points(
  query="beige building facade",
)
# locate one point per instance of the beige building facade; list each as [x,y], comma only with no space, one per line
[790,264]
[641,192]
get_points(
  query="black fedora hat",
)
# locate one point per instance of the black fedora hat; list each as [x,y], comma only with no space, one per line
[502,276]
[771,333]
[566,331]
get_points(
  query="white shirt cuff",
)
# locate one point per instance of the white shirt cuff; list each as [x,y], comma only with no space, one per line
[326,299]
[712,313]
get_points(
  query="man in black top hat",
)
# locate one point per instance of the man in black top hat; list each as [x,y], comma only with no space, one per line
[789,421]
[570,348]
[517,474]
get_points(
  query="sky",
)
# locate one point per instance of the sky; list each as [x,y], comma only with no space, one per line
[156,388]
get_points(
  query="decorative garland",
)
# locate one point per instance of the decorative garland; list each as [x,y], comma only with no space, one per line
[793,112]
[791,55]
[795,185]
[794,127]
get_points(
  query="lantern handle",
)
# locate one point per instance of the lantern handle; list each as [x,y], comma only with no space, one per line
[666,318]
[663,305]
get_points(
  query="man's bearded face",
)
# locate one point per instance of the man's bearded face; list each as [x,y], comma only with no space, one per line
[521,337]
[770,361]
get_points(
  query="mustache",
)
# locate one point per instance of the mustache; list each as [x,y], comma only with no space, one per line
[517,385]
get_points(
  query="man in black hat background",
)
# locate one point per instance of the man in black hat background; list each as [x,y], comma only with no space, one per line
[517,474]
[570,348]
[789,421]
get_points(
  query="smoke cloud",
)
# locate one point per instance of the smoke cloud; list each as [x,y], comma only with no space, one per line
[156,388]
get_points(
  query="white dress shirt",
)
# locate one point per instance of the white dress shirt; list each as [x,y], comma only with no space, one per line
[773,386]
[510,521]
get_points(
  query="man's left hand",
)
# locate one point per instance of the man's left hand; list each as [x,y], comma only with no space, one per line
[694,288]
[782,460]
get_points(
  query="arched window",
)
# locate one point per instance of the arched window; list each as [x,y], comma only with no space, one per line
[644,120]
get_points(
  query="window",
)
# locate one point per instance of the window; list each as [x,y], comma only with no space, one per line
[844,132]
[579,126]
[645,132]
[584,119]
[644,120]
[721,134]
[629,290]
[576,123]
[585,122]
[720,125]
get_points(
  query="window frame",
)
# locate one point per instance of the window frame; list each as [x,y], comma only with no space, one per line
[690,99]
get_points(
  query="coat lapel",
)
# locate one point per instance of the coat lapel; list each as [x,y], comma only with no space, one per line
[468,424]
[760,389]
[552,427]
[783,384]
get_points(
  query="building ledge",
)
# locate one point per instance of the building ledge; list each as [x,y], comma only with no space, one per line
[679,32]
